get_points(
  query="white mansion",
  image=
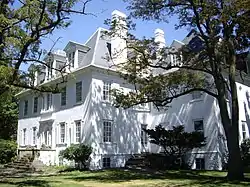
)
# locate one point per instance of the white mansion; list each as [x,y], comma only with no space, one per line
[83,111]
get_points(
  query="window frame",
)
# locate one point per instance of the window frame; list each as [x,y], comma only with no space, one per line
[35,105]
[144,136]
[106,162]
[48,101]
[244,132]
[78,122]
[200,162]
[107,135]
[78,95]
[24,136]
[26,107]
[64,134]
[199,130]
[64,96]
[106,91]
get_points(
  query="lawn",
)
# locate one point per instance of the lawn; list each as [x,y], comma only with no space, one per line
[123,178]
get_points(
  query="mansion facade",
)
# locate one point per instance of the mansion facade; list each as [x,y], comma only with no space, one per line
[83,111]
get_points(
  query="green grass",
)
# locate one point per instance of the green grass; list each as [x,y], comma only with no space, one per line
[121,178]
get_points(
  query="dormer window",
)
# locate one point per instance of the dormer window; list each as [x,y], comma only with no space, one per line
[71,58]
[109,48]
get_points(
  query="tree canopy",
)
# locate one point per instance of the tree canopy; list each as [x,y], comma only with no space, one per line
[23,26]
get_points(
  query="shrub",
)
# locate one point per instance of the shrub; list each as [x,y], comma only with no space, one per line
[8,150]
[245,152]
[77,152]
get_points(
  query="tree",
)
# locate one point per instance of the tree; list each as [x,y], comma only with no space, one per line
[7,151]
[77,152]
[23,26]
[207,62]
[176,143]
[8,115]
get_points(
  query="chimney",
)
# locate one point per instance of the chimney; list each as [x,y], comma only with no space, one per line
[159,38]
[118,42]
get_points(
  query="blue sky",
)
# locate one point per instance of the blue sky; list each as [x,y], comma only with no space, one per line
[83,27]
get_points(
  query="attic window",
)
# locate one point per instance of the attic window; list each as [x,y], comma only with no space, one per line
[109,47]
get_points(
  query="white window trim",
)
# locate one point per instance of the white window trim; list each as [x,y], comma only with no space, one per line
[145,141]
[34,104]
[65,97]
[24,136]
[109,100]
[246,130]
[110,161]
[112,131]
[77,102]
[80,138]
[65,131]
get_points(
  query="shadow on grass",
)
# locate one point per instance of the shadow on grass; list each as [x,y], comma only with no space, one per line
[26,183]
[194,177]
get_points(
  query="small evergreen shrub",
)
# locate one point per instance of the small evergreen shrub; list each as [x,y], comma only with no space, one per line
[8,150]
[79,153]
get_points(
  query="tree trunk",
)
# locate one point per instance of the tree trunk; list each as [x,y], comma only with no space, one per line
[231,126]
[235,167]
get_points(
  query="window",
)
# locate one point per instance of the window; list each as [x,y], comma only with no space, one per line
[49,101]
[174,60]
[106,162]
[26,105]
[196,95]
[144,137]
[109,48]
[200,163]
[63,96]
[244,132]
[107,91]
[24,136]
[107,131]
[78,92]
[43,102]
[78,131]
[35,107]
[198,126]
[34,135]
[71,58]
[62,132]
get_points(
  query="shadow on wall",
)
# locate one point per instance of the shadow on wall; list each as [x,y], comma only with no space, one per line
[126,126]
[247,108]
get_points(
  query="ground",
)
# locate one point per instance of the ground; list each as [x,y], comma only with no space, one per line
[125,178]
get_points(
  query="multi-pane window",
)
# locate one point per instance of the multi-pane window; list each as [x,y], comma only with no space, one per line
[62,132]
[34,135]
[107,131]
[200,163]
[43,102]
[244,132]
[26,105]
[144,137]
[175,60]
[78,131]
[78,92]
[106,91]
[49,101]
[198,126]
[63,96]
[35,106]
[196,95]
[24,136]
[106,162]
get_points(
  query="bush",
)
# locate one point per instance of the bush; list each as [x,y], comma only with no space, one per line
[77,152]
[245,153]
[8,150]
